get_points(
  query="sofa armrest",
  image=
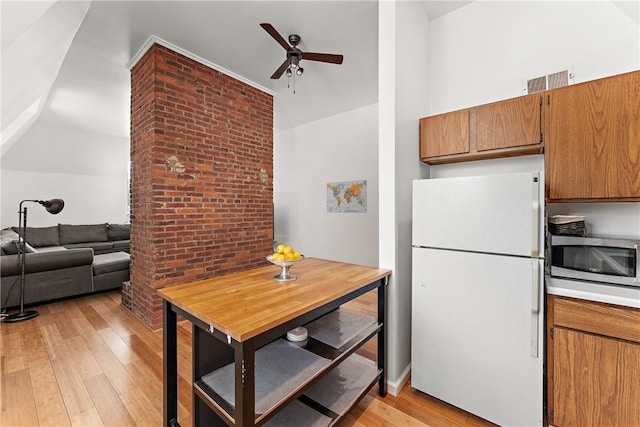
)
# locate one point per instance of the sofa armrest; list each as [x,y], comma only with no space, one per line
[46,261]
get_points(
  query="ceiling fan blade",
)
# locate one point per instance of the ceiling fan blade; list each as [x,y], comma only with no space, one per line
[272,31]
[323,57]
[281,69]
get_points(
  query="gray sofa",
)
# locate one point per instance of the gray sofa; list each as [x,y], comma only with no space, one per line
[64,261]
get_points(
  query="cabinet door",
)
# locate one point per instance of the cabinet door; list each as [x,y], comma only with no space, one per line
[444,134]
[595,380]
[511,123]
[592,142]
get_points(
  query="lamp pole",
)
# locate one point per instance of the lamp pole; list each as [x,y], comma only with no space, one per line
[53,206]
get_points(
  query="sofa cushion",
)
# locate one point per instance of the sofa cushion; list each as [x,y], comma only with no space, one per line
[82,233]
[118,231]
[41,236]
[9,246]
[44,249]
[107,263]
[8,242]
[98,247]
[38,262]
[122,245]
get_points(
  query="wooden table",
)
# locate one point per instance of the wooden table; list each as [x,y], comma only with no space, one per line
[236,314]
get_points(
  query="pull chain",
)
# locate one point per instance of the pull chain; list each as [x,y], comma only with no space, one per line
[289,82]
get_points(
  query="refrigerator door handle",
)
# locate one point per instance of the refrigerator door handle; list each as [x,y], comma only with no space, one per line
[535,307]
[535,213]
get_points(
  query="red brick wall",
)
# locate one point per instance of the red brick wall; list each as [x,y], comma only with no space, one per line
[201,176]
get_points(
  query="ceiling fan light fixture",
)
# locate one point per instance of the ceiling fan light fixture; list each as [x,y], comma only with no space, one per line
[292,63]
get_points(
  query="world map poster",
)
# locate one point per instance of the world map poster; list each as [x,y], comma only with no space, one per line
[347,196]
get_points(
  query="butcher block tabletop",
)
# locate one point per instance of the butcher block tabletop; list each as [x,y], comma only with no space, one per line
[245,304]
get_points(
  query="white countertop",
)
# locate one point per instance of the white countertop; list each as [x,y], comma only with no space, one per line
[592,291]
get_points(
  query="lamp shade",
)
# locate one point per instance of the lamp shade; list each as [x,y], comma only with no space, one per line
[53,206]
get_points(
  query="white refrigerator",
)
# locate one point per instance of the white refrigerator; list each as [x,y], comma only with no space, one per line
[477,294]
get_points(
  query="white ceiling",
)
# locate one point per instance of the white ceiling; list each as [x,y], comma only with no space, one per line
[72,55]
[65,61]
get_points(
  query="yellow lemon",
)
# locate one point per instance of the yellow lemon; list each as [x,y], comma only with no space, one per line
[287,250]
[280,248]
[297,255]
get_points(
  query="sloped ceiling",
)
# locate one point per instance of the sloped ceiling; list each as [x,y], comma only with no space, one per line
[631,8]
[36,37]
[90,88]
[65,61]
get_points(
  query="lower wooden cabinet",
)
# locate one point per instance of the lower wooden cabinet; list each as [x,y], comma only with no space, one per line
[593,364]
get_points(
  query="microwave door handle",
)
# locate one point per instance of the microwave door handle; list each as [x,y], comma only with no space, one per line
[637,249]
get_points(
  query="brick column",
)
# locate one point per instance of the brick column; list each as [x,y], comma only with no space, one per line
[201,176]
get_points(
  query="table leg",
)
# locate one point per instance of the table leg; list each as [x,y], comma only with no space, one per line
[382,337]
[245,383]
[170,365]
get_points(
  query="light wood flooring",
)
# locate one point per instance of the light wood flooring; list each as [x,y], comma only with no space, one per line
[89,362]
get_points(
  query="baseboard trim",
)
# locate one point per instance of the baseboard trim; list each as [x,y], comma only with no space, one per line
[394,387]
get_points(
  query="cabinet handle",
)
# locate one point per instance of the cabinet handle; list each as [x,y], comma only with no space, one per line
[540,113]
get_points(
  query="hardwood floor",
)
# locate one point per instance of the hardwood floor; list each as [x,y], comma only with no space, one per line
[89,362]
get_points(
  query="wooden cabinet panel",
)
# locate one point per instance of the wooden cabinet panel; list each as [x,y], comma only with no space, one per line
[593,363]
[595,381]
[592,133]
[501,129]
[511,123]
[444,134]
[604,319]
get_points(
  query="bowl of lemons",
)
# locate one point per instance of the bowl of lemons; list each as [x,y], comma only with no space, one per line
[285,256]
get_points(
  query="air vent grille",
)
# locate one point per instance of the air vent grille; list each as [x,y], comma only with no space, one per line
[550,81]
[536,85]
[558,79]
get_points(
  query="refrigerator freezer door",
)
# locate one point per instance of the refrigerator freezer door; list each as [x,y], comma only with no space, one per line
[498,214]
[471,336]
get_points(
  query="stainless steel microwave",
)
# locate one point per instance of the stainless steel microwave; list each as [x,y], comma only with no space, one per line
[606,260]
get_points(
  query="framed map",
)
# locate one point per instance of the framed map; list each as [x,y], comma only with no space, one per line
[347,196]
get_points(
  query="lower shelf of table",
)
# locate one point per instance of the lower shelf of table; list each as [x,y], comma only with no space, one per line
[322,374]
[326,401]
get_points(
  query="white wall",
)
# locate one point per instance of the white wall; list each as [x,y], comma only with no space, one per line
[483,52]
[604,219]
[403,98]
[87,170]
[305,159]
[412,98]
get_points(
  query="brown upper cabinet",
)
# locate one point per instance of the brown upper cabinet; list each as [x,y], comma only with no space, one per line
[592,136]
[589,132]
[445,134]
[512,123]
[500,129]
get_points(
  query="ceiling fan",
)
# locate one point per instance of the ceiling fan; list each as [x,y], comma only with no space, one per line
[294,55]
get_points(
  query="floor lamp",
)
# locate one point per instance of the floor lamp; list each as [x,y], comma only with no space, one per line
[52,206]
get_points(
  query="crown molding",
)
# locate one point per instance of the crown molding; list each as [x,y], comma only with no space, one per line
[157,40]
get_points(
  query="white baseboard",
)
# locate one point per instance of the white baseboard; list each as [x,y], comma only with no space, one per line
[394,387]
